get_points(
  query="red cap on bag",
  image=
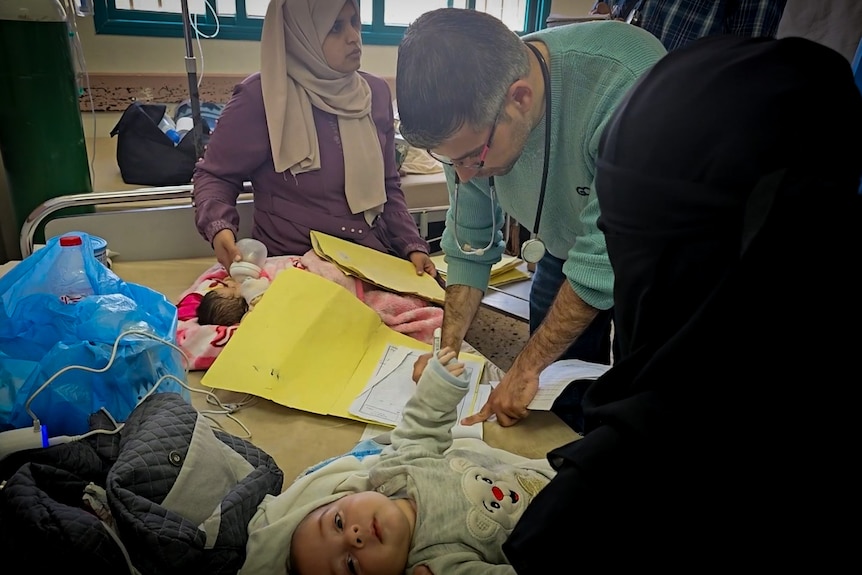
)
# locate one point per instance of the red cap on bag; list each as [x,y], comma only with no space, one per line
[66,241]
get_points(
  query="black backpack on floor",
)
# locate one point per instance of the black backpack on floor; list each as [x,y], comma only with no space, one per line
[146,155]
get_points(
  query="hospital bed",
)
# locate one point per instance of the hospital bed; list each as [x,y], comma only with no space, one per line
[155,223]
[153,231]
[149,224]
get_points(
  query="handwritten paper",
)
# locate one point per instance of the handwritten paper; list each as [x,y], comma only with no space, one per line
[557,376]
[391,386]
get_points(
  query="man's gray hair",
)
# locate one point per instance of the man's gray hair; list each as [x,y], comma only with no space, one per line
[455,66]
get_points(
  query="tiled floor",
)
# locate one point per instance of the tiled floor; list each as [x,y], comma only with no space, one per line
[497,337]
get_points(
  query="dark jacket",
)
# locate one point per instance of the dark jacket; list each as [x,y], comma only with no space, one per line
[166,494]
[722,435]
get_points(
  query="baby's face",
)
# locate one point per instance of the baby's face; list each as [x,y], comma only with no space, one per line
[228,287]
[360,534]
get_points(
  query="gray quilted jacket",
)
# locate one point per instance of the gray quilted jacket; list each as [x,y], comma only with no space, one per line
[167,494]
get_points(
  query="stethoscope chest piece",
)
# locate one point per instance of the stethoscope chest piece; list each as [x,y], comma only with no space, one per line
[532,250]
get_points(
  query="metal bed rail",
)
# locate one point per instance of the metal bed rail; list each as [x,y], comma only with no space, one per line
[41,213]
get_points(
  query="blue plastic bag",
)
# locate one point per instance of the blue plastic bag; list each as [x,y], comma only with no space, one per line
[40,335]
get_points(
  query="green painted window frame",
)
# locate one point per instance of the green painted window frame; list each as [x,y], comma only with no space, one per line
[110,20]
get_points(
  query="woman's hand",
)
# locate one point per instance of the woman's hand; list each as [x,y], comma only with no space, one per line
[423,264]
[226,252]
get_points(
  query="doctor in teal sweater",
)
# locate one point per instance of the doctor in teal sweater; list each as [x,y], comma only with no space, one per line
[504,110]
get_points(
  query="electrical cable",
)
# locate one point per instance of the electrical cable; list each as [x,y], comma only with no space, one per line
[211,398]
[193,21]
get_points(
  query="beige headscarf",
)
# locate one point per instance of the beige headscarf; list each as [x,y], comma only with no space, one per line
[294,76]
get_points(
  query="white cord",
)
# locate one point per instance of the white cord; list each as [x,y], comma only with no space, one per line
[201,52]
[247,401]
[193,21]
[102,369]
[211,397]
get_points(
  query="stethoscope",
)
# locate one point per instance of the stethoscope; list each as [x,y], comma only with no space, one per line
[533,249]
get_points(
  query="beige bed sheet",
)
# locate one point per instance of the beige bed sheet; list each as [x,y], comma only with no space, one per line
[298,439]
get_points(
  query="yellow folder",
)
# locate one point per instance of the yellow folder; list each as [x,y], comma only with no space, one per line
[505,271]
[383,270]
[308,344]
[507,277]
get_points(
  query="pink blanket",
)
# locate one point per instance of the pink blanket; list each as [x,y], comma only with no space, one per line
[202,343]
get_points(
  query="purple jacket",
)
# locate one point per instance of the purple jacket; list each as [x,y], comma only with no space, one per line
[287,208]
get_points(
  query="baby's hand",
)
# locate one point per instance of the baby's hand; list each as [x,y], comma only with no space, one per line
[447,357]
[419,366]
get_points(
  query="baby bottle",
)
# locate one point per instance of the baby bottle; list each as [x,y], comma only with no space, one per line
[253,259]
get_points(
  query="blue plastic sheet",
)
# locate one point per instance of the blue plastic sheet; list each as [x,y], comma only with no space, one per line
[41,335]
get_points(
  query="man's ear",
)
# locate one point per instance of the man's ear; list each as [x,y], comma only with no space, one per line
[521,96]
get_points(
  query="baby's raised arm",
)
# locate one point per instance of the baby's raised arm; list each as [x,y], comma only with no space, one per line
[427,419]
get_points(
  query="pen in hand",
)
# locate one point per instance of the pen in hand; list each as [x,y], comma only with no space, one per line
[438,334]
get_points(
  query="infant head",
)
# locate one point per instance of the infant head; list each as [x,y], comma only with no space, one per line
[223,305]
[364,532]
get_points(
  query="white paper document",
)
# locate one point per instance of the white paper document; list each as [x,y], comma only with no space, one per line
[554,379]
[391,385]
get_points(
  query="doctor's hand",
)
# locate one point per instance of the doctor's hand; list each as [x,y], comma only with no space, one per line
[509,400]
[226,252]
[423,264]
[422,570]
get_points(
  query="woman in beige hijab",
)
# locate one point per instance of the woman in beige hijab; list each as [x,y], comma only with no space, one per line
[315,136]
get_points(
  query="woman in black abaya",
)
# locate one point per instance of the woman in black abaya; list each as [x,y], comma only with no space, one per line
[724,435]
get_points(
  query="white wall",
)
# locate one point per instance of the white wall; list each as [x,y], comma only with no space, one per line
[109,54]
[133,54]
[144,55]
[571,7]
[136,54]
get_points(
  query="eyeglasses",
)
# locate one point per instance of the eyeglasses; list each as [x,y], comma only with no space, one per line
[466,162]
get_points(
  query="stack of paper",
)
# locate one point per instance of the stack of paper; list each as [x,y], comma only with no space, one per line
[557,377]
[509,269]
[391,385]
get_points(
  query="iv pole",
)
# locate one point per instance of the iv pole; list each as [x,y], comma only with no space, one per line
[191,70]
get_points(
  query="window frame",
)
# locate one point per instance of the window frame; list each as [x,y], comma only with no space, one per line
[110,20]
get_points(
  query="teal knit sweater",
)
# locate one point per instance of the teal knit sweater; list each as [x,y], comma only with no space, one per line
[592,66]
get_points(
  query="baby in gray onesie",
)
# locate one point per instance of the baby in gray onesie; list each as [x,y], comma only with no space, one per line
[417,503]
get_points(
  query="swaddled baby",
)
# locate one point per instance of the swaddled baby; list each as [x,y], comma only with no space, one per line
[225,302]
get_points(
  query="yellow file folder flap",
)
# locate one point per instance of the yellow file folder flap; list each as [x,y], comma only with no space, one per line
[383,270]
[508,277]
[308,344]
[503,272]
